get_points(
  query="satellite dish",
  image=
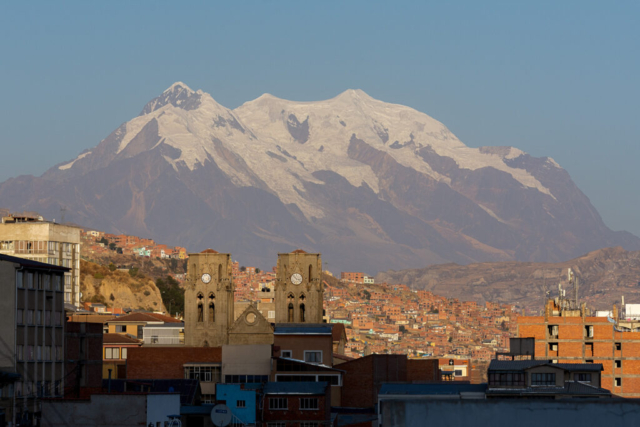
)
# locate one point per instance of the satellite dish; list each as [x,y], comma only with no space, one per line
[221,415]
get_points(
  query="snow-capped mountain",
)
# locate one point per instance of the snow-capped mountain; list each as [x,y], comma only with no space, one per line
[372,185]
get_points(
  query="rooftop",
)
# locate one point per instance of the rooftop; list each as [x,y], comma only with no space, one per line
[431,389]
[519,365]
[33,264]
[303,329]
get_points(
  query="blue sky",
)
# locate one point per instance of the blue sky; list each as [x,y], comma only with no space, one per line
[556,79]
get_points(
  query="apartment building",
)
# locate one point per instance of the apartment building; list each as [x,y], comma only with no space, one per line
[32,334]
[35,239]
[569,334]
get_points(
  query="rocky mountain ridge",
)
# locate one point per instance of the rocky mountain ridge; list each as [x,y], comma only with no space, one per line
[604,276]
[371,185]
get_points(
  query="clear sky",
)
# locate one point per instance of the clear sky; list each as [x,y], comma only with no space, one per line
[556,79]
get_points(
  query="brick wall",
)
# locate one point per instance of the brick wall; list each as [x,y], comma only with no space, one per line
[167,362]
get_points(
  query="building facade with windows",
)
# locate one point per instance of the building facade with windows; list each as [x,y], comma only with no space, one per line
[32,333]
[296,404]
[46,242]
[573,336]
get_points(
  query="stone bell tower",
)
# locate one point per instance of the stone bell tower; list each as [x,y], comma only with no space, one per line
[208,299]
[299,289]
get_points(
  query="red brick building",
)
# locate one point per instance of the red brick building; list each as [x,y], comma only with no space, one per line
[168,362]
[83,354]
[572,337]
[363,377]
[296,404]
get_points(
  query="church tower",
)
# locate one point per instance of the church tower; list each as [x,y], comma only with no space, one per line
[299,289]
[208,299]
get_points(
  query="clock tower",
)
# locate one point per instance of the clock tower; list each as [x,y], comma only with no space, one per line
[208,299]
[299,290]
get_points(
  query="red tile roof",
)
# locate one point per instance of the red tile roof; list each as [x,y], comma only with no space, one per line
[145,317]
[119,339]
[209,251]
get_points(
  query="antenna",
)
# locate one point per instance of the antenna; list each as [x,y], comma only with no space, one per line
[63,209]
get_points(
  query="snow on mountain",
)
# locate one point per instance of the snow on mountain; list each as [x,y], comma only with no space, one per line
[336,175]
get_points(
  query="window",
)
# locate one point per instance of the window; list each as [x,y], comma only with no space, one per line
[543,379]
[618,363]
[309,403]
[58,318]
[30,354]
[30,280]
[39,317]
[19,352]
[29,317]
[583,378]
[271,314]
[122,329]
[208,398]
[124,353]
[508,378]
[278,403]
[19,279]
[112,353]
[47,282]
[243,379]
[19,389]
[241,404]
[553,346]
[588,361]
[313,356]
[56,282]
[47,318]
[286,353]
[47,352]
[20,316]
[618,382]
[140,332]
[553,331]
[618,346]
[588,331]
[203,373]
[58,353]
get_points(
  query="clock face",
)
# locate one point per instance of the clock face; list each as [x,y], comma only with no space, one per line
[296,278]
[206,278]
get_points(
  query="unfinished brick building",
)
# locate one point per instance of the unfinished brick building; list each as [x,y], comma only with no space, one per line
[571,335]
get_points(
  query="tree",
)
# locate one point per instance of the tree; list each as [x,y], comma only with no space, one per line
[403,329]
[112,246]
[257,270]
[367,294]
[112,267]
[243,268]
[133,271]
[103,241]
[172,294]
[119,250]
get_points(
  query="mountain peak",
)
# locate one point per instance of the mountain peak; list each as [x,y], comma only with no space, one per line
[354,95]
[179,95]
[178,86]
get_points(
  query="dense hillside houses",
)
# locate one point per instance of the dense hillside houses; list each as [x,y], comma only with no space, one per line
[100,243]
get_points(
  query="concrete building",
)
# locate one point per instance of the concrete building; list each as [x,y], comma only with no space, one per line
[32,333]
[567,333]
[46,242]
[114,409]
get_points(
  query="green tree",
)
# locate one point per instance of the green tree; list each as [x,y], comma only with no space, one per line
[112,266]
[257,270]
[103,241]
[119,250]
[133,271]
[172,294]
[243,268]
[112,246]
[367,294]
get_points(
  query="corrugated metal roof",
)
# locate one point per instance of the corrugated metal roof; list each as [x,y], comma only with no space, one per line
[295,388]
[429,389]
[520,365]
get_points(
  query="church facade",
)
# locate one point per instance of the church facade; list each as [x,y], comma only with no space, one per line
[209,318]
